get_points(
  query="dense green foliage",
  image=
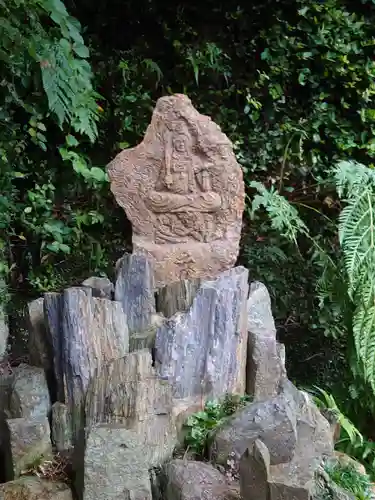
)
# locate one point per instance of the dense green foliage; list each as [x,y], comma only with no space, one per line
[291,83]
[349,479]
[201,425]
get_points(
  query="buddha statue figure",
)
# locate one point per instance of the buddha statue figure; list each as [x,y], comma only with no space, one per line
[184,181]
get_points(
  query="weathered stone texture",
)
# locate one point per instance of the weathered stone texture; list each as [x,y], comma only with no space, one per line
[53,304]
[40,348]
[271,421]
[102,288]
[135,290]
[30,442]
[34,488]
[127,391]
[88,333]
[61,427]
[264,476]
[264,366]
[4,329]
[188,480]
[203,351]
[115,465]
[182,189]
[146,338]
[177,297]
[29,397]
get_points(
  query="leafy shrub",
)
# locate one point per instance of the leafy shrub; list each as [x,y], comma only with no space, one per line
[347,280]
[351,441]
[349,479]
[200,425]
[49,108]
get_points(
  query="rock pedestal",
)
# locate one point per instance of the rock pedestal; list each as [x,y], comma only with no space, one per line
[203,352]
[128,392]
[86,334]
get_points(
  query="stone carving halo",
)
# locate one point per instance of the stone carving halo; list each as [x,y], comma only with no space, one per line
[182,190]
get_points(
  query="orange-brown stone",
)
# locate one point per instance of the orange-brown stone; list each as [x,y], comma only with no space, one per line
[182,190]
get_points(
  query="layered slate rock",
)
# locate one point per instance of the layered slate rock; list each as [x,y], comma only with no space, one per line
[189,480]
[115,465]
[135,290]
[29,441]
[272,421]
[34,488]
[87,333]
[203,351]
[177,297]
[128,392]
[264,366]
[53,311]
[40,348]
[61,431]
[146,338]
[182,189]
[264,476]
[102,288]
[4,329]
[29,395]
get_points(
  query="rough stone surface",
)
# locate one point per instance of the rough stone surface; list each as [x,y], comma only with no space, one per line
[115,465]
[182,189]
[29,393]
[4,330]
[254,472]
[146,338]
[102,288]
[271,421]
[33,488]
[89,332]
[29,441]
[53,303]
[135,290]
[294,478]
[282,357]
[61,427]
[264,367]
[188,480]
[127,391]
[203,351]
[177,297]
[40,348]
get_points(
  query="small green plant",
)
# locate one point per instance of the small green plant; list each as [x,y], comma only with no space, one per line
[326,401]
[351,441]
[201,424]
[350,479]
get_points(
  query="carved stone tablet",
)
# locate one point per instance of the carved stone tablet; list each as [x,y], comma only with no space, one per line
[182,190]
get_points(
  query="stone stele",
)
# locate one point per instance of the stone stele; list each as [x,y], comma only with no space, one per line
[182,189]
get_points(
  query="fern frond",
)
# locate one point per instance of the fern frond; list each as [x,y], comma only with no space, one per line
[351,177]
[357,239]
[364,329]
[357,235]
[53,52]
[283,216]
[67,83]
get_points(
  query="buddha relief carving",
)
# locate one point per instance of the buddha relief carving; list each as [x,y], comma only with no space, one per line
[183,192]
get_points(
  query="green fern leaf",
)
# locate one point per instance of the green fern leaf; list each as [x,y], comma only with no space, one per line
[357,239]
[283,216]
[357,236]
